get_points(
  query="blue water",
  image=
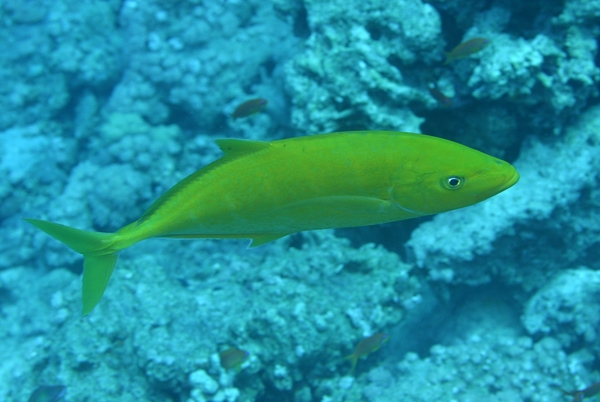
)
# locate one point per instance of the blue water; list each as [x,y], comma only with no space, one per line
[107,104]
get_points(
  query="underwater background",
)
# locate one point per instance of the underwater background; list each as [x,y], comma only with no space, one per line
[107,104]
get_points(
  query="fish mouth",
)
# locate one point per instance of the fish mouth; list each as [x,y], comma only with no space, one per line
[511,181]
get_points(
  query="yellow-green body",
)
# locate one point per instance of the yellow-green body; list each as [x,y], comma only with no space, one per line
[367,346]
[266,190]
[466,48]
[233,358]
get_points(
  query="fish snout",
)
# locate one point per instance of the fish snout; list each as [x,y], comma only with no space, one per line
[512,179]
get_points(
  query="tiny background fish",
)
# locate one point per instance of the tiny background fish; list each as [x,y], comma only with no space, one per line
[438,95]
[579,395]
[367,346]
[249,107]
[48,393]
[466,48]
[233,358]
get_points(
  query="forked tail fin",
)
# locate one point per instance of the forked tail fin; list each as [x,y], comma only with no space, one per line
[99,257]
[354,359]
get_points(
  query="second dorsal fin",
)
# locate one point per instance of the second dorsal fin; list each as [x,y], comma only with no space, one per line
[236,147]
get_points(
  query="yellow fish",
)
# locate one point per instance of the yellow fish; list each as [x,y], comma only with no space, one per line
[48,393]
[266,190]
[367,346]
[579,395]
[466,48]
[233,358]
[249,108]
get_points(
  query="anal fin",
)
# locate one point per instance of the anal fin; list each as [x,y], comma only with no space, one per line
[257,239]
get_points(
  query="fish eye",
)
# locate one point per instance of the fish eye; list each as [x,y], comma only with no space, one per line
[453,182]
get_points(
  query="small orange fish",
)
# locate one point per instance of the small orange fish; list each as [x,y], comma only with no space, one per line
[439,95]
[367,346]
[233,358]
[249,107]
[583,393]
[466,49]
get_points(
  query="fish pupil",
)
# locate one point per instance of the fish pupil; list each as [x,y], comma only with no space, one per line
[453,181]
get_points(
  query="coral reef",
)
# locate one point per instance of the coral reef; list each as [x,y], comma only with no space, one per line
[566,306]
[323,289]
[107,104]
[351,73]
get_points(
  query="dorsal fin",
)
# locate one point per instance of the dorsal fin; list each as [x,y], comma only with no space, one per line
[236,147]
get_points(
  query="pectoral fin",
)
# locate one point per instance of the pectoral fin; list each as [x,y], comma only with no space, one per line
[257,239]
